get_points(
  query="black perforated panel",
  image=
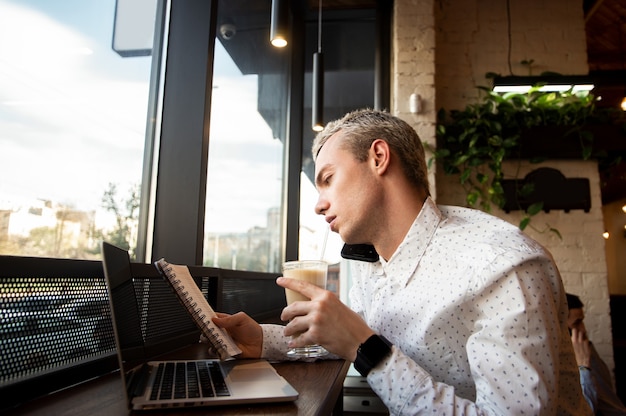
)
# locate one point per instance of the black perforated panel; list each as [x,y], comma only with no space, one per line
[51,322]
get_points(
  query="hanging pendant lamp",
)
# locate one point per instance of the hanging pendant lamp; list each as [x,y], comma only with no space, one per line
[317,84]
[279,23]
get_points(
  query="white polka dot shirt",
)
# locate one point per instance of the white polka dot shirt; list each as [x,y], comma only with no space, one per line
[477,314]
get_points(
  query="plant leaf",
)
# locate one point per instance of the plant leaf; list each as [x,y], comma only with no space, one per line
[535,208]
[524,223]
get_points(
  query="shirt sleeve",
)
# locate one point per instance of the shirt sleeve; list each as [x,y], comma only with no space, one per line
[274,343]
[589,387]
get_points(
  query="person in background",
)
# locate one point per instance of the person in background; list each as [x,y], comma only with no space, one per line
[460,313]
[595,376]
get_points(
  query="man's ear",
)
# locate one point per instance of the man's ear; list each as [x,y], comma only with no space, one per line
[380,155]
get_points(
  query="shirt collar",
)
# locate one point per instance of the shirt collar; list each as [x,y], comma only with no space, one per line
[402,264]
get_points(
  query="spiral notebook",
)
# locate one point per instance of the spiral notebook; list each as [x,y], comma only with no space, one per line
[151,383]
[191,297]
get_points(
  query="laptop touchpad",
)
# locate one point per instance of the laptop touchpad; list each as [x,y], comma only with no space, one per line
[253,372]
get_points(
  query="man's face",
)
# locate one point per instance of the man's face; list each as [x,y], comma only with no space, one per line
[347,192]
[575,319]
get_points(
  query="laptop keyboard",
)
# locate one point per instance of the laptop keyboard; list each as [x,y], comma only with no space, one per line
[193,379]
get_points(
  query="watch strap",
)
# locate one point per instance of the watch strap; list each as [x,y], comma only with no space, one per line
[374,350]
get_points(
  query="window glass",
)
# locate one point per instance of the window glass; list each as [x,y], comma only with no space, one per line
[246,145]
[72,126]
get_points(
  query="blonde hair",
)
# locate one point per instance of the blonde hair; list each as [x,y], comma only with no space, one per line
[361,127]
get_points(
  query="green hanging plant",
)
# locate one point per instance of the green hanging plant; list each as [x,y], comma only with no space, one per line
[472,143]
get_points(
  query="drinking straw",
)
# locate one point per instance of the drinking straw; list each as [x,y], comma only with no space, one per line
[323,250]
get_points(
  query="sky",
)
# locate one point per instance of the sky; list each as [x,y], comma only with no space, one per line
[64,131]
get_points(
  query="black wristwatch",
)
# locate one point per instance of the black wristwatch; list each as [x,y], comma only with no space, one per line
[371,353]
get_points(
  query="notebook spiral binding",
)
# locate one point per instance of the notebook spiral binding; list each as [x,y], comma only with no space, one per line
[200,319]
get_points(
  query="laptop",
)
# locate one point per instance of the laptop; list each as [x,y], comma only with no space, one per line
[151,383]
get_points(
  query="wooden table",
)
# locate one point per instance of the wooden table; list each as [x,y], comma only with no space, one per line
[319,385]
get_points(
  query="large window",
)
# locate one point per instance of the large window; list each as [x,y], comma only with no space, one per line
[72,126]
[246,143]
[223,176]
[249,127]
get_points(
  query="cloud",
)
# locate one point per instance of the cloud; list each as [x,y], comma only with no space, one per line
[67,130]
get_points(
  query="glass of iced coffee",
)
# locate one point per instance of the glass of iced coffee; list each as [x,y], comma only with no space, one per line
[312,271]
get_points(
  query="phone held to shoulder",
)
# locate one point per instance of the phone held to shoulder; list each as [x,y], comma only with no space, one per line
[360,252]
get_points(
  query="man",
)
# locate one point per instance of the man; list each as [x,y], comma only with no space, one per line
[595,376]
[462,314]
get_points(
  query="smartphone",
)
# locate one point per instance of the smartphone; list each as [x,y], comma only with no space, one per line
[360,252]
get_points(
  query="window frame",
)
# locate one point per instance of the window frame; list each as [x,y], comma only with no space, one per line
[180,188]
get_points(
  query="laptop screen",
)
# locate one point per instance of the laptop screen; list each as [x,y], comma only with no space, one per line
[124,308]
